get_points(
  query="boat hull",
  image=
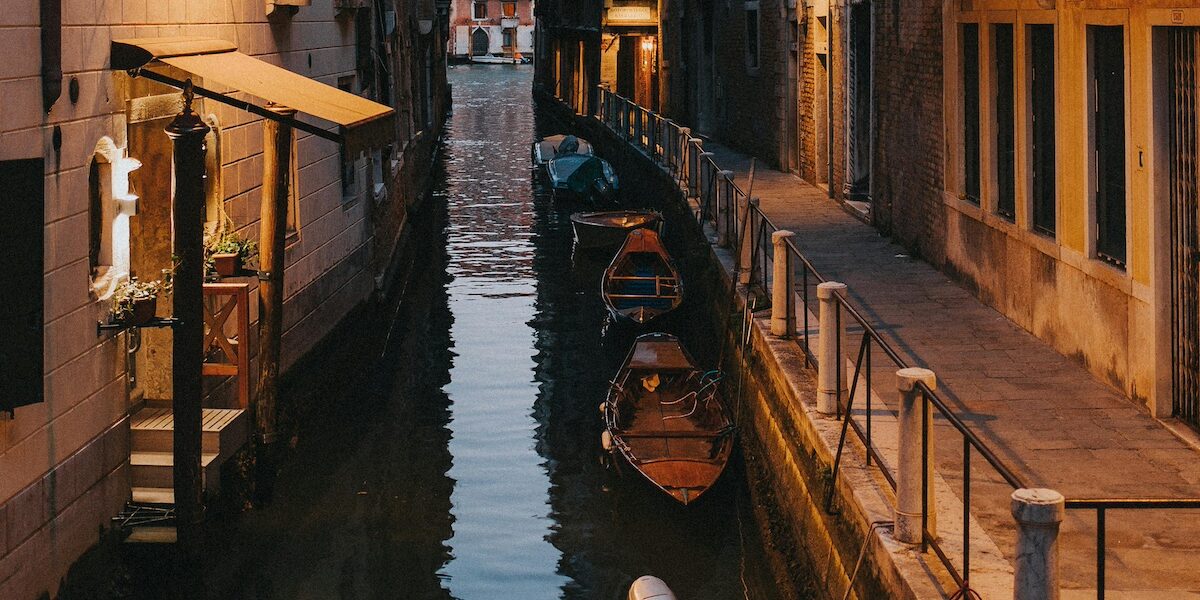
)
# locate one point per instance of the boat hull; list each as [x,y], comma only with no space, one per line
[666,420]
[591,234]
[641,284]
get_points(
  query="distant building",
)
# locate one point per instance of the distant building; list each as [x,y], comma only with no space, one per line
[491,28]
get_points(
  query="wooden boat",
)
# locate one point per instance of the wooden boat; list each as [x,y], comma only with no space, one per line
[666,418]
[546,149]
[606,229]
[641,283]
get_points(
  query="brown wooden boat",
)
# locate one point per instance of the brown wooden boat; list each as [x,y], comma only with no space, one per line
[666,418]
[642,283]
[610,228]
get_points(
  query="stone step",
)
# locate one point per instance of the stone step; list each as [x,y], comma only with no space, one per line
[154,495]
[152,535]
[156,469]
[224,431]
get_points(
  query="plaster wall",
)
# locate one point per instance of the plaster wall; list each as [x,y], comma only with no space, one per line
[1114,319]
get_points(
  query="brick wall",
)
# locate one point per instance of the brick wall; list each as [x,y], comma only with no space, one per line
[908,170]
[749,102]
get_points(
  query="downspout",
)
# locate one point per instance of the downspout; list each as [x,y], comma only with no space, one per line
[829,99]
[51,22]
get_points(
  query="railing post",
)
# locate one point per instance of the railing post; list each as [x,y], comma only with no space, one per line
[695,160]
[828,361]
[1038,513]
[746,235]
[780,276]
[723,189]
[909,477]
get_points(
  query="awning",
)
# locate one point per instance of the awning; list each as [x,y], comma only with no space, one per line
[363,124]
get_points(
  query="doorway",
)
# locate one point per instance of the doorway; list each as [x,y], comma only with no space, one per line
[858,105]
[1182,185]
[479,42]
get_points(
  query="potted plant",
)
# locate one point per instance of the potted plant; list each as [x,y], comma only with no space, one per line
[134,302]
[229,254]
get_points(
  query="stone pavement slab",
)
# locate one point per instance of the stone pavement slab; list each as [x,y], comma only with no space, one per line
[1041,412]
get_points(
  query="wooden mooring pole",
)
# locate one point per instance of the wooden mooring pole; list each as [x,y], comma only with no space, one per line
[187,133]
[277,151]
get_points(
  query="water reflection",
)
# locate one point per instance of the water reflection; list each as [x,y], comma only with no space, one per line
[499,501]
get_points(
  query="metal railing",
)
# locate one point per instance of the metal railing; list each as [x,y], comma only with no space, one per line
[742,227]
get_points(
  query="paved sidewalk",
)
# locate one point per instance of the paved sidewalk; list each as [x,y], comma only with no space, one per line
[1041,412]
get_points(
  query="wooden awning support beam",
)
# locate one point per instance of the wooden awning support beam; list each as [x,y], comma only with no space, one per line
[250,107]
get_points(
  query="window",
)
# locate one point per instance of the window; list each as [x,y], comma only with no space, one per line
[1041,109]
[509,10]
[110,204]
[752,34]
[479,10]
[1107,62]
[970,110]
[22,235]
[509,36]
[214,194]
[1005,120]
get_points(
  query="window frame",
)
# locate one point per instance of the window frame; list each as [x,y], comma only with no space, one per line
[753,41]
[970,116]
[1036,163]
[1003,120]
[1099,246]
[478,6]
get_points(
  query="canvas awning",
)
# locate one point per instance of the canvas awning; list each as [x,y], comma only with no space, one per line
[363,124]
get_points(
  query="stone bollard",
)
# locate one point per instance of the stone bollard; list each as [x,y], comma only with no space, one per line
[779,282]
[721,185]
[908,468]
[828,361]
[1038,512]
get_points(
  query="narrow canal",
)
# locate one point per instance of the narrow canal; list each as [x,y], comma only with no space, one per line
[463,460]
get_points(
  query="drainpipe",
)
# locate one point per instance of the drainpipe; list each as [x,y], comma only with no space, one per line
[51,21]
[277,150]
[187,133]
[829,20]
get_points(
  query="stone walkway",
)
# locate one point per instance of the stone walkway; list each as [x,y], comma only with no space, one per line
[1042,413]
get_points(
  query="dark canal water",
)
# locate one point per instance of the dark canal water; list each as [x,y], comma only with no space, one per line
[460,458]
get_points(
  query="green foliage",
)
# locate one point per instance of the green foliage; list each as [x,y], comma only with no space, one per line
[132,291]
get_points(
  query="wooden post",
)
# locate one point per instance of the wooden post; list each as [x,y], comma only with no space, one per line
[277,152]
[187,133]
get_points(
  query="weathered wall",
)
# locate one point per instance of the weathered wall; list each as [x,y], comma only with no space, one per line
[65,461]
[908,162]
[1116,320]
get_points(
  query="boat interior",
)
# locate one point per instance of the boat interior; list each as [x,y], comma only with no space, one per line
[643,279]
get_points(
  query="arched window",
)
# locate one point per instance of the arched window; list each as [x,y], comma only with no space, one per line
[215,219]
[110,204]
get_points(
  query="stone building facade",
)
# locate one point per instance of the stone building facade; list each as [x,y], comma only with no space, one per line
[83,148]
[491,28]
